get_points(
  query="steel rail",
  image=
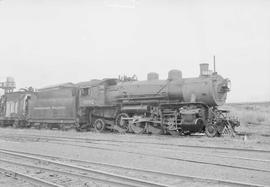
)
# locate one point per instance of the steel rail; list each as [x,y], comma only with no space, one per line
[110,182]
[187,160]
[180,145]
[194,153]
[181,159]
[207,154]
[150,143]
[128,180]
[28,178]
[166,157]
[193,178]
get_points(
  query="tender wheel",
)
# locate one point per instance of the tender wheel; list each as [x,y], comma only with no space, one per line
[99,125]
[211,130]
[123,124]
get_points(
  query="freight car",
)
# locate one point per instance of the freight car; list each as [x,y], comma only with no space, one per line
[173,106]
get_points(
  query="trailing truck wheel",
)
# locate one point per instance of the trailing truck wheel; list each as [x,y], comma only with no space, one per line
[99,125]
[211,130]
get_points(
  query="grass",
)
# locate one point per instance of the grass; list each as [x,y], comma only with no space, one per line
[254,117]
[252,113]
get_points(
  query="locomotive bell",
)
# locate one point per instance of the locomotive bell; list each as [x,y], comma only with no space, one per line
[175,75]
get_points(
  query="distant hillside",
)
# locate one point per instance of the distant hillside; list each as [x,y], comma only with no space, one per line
[266,103]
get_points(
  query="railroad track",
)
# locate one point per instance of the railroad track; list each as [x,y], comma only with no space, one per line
[25,177]
[177,158]
[47,183]
[128,181]
[138,142]
[99,175]
[182,158]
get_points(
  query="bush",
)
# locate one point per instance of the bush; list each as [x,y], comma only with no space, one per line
[252,114]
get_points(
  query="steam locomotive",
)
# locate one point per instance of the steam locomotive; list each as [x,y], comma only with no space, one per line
[174,106]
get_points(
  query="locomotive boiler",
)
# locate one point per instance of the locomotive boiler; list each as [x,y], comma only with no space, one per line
[209,88]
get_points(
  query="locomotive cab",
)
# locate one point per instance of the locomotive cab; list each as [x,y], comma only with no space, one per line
[94,92]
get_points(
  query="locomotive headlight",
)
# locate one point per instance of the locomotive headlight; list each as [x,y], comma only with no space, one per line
[229,84]
[225,86]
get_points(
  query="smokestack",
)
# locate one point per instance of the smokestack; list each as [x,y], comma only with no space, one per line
[214,64]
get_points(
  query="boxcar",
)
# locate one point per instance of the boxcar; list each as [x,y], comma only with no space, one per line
[55,107]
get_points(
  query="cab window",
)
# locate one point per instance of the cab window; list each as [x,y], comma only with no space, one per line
[85,91]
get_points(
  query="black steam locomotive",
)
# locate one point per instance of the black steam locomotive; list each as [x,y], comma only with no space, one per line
[173,106]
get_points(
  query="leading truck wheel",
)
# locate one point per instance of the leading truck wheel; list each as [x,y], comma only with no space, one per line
[211,130]
[99,125]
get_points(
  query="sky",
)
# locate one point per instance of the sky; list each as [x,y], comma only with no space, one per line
[46,42]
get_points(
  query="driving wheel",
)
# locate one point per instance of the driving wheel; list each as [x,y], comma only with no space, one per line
[122,123]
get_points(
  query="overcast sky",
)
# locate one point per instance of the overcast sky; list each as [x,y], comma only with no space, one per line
[44,42]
